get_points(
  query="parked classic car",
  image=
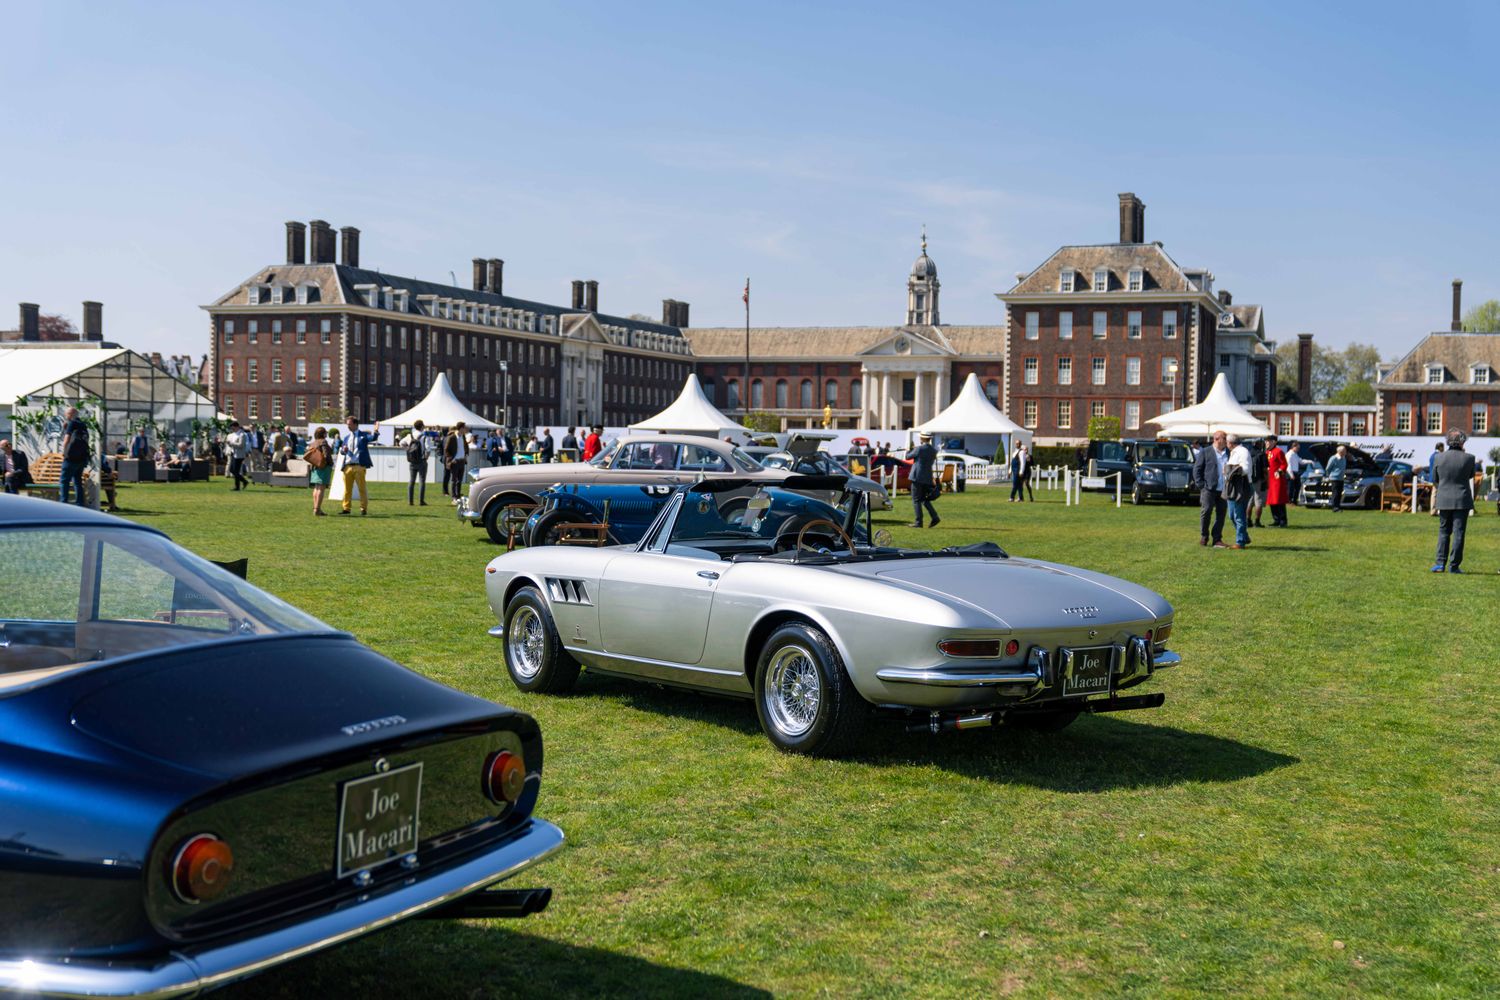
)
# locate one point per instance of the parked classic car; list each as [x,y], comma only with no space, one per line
[821,628]
[1151,469]
[200,781]
[811,462]
[639,459]
[1363,479]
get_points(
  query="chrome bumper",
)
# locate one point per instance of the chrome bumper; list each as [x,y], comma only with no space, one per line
[186,972]
[1036,674]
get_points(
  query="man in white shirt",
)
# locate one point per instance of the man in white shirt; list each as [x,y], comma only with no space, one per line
[455,457]
[239,447]
[1237,478]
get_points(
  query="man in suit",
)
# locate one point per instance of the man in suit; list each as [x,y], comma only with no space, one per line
[455,457]
[355,447]
[920,481]
[1453,498]
[139,446]
[1208,480]
[15,467]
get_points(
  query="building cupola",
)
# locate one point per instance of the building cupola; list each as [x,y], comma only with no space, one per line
[922,290]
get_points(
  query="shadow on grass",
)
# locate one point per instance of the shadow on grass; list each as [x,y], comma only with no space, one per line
[1261,546]
[1097,753]
[445,958]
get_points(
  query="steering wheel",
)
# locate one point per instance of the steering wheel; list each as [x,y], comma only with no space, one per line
[817,522]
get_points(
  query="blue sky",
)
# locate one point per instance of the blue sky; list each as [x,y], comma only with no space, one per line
[1335,163]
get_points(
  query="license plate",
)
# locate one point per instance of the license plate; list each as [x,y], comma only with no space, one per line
[1086,671]
[378,818]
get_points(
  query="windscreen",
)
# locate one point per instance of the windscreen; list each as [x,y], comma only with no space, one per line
[708,516]
[73,597]
[1163,451]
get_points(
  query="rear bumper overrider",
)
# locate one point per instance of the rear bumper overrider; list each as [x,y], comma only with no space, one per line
[1133,665]
[190,970]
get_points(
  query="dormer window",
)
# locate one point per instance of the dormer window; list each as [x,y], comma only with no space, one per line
[386,297]
[401,300]
[252,295]
[1137,280]
[1101,279]
[1479,374]
[1435,374]
[302,295]
[1065,280]
[277,295]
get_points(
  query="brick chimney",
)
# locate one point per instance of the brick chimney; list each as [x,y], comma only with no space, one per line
[669,312]
[1304,367]
[481,274]
[31,320]
[591,296]
[497,276]
[93,321]
[1132,219]
[322,242]
[682,315]
[577,295]
[350,252]
[1225,299]
[296,243]
[1458,303]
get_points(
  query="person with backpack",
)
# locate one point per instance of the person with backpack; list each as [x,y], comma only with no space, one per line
[319,458]
[418,446]
[75,453]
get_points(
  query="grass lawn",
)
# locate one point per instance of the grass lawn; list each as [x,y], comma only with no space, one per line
[1314,812]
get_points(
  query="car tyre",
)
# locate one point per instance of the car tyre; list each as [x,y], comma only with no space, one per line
[1136,496]
[545,531]
[1371,499]
[803,695]
[492,516]
[534,655]
[1042,722]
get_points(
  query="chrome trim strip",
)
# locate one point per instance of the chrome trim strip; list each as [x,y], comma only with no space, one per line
[185,972]
[954,677]
[607,656]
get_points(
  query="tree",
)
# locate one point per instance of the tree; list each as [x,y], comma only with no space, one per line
[51,326]
[1483,318]
[1355,394]
[1332,372]
[760,420]
[325,415]
[1104,428]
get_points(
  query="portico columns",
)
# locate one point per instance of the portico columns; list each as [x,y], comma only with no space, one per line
[919,410]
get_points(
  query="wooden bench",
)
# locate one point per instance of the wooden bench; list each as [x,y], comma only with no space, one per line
[47,470]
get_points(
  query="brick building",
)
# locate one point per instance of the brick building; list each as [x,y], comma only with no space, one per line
[877,377]
[315,332]
[1450,380]
[1120,329]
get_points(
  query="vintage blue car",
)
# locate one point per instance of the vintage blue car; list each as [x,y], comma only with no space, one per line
[629,510]
[198,781]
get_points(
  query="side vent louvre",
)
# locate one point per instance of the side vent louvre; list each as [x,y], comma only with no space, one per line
[567,591]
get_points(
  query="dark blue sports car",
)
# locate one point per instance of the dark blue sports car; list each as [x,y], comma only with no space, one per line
[199,781]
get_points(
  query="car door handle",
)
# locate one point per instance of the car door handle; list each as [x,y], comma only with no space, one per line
[708,574]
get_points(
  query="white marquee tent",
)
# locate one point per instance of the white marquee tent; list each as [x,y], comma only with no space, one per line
[975,418]
[691,413]
[1219,411]
[439,408]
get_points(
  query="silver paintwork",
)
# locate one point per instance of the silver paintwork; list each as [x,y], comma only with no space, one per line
[685,617]
[190,970]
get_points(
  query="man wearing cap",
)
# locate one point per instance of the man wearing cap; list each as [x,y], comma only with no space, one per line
[920,480]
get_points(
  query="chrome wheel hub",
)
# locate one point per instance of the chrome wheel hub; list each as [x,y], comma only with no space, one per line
[793,691]
[524,642]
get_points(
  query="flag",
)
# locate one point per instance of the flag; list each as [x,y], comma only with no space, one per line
[747,291]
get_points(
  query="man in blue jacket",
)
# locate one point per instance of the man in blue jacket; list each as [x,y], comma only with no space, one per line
[1208,480]
[355,449]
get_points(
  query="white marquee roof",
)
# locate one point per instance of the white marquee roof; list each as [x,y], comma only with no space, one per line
[971,412]
[1219,411]
[440,408]
[26,370]
[691,413]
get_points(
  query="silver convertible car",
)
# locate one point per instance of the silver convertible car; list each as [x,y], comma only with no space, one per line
[785,599]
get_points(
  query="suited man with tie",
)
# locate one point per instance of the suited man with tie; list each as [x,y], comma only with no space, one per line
[1208,479]
[355,449]
[1452,498]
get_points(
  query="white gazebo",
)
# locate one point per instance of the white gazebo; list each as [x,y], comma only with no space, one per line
[1219,411]
[972,416]
[691,413]
[439,408]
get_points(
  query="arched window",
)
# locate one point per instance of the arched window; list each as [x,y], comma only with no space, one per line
[757,394]
[781,394]
[831,393]
[856,393]
[992,390]
[807,394]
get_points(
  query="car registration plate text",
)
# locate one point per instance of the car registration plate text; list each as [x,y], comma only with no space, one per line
[1086,671]
[379,818]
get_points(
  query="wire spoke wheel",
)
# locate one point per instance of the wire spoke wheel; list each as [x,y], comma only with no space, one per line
[525,642]
[793,691]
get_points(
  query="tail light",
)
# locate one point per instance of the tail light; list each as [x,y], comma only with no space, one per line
[974,647]
[504,777]
[201,868]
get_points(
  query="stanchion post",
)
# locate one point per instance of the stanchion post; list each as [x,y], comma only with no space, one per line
[1119,484]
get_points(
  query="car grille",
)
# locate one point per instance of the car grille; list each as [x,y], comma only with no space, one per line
[1177,480]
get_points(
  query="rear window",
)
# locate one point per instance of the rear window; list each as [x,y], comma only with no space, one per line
[72,598]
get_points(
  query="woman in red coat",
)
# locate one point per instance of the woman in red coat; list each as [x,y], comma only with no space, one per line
[1280,482]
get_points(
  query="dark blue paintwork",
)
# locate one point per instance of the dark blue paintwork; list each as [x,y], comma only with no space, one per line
[94,763]
[631,508]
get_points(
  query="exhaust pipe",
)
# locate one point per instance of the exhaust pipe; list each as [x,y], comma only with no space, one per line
[493,903]
[936,723]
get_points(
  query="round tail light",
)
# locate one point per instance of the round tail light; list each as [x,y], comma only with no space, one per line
[201,868]
[504,777]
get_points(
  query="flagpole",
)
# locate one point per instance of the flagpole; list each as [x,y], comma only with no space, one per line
[745,383]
